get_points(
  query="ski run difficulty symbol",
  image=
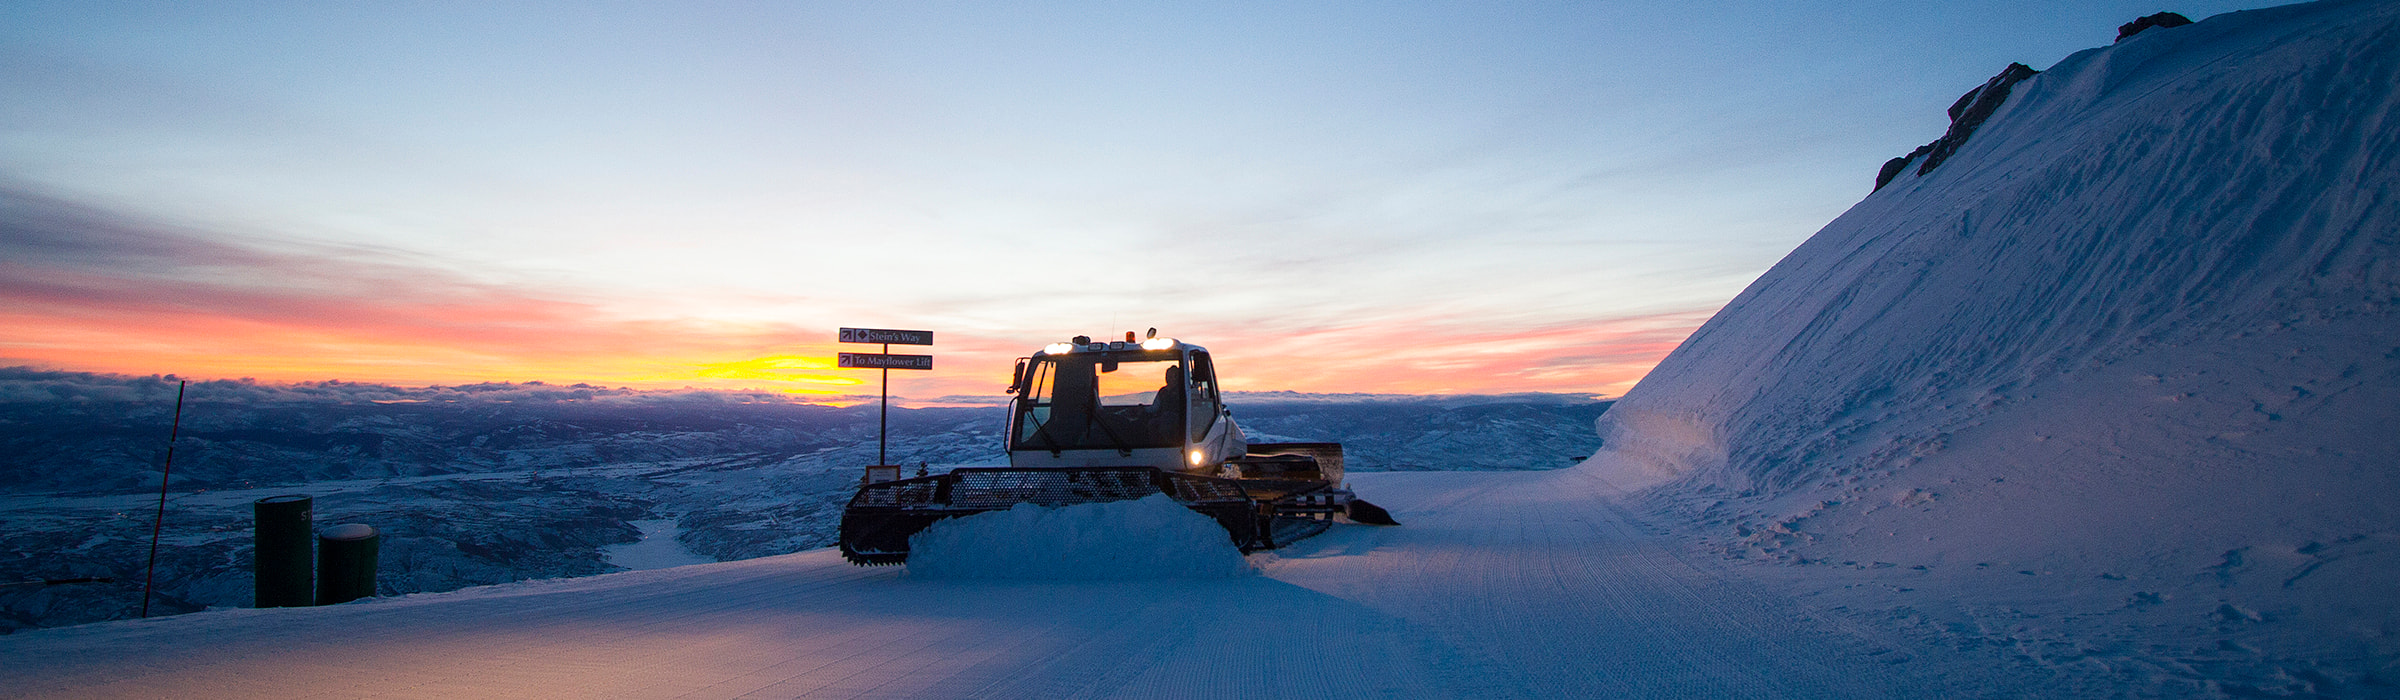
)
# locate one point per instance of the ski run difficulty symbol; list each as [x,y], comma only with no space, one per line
[887,337]
[886,362]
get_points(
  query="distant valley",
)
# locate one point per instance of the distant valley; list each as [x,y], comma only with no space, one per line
[483,484]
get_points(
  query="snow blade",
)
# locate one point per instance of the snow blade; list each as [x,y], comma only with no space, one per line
[881,517]
[1366,513]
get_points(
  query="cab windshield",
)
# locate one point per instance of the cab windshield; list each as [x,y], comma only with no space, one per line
[1115,400]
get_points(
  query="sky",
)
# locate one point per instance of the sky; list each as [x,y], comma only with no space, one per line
[1399,197]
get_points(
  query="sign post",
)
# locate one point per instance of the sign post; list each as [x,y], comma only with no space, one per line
[885,361]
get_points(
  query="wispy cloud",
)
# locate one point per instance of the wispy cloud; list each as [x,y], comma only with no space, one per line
[84,288]
[25,385]
[1449,355]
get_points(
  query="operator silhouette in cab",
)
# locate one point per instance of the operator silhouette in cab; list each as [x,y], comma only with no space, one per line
[1166,409]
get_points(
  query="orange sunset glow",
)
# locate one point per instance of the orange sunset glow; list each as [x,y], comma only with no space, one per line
[101,292]
[473,348]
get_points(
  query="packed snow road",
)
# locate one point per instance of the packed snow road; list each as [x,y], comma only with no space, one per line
[1508,584]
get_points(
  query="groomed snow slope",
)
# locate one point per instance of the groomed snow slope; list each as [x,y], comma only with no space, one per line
[2117,386]
[1507,584]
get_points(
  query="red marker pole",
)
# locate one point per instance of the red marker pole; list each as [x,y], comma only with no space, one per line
[173,431]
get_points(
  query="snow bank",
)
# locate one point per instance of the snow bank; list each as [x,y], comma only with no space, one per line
[1146,538]
[1647,448]
[2130,356]
[2228,177]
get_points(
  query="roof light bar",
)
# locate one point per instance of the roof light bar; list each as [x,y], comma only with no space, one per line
[1086,344]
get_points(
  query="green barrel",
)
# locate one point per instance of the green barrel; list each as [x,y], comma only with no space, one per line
[346,563]
[284,561]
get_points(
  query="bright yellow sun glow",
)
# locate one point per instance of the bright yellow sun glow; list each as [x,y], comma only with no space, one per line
[409,346]
[795,369]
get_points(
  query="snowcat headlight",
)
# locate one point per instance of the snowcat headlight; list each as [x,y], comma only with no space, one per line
[1158,343]
[1059,348]
[1197,456]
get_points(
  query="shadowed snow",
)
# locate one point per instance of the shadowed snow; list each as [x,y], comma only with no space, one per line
[1144,538]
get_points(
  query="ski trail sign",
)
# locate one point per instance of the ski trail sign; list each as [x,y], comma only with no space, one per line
[886,336]
[870,360]
[886,362]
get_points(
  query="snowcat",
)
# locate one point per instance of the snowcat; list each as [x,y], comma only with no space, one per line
[1096,421]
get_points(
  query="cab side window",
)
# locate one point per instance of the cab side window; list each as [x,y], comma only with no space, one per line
[1203,401]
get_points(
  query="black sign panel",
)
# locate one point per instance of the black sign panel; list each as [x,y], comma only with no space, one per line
[869,360]
[881,335]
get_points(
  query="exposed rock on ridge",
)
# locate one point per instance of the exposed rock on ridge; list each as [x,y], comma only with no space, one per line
[1965,115]
[2163,20]
[1978,104]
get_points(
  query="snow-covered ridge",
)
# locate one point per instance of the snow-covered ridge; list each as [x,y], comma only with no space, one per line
[2227,177]
[2131,350]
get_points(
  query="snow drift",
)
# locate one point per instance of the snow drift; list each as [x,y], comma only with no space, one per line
[2130,354]
[1144,538]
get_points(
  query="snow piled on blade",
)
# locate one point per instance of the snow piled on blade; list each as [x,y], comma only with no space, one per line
[1145,538]
[2129,358]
